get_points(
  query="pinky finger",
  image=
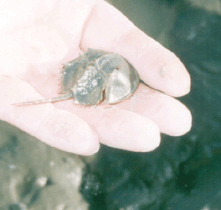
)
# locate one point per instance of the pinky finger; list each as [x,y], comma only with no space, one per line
[57,128]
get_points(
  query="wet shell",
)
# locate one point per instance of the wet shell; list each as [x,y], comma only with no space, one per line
[96,76]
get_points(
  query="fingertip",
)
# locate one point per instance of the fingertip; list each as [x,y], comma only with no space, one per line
[147,138]
[184,123]
[167,73]
[177,121]
[151,138]
[179,81]
[89,144]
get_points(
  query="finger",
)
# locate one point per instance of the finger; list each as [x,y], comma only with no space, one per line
[57,128]
[110,30]
[117,127]
[172,117]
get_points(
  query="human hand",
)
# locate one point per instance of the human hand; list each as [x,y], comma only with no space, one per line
[37,37]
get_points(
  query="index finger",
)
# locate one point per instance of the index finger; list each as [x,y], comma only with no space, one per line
[110,30]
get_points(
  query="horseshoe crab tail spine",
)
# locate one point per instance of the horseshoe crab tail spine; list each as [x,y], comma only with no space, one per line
[41,101]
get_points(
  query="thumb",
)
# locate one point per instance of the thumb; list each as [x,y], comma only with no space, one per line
[57,128]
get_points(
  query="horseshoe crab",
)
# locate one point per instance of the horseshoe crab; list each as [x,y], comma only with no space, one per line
[95,76]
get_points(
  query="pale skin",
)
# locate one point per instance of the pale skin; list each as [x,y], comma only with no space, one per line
[36,37]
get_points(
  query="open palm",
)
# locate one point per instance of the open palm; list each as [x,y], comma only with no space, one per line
[37,37]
